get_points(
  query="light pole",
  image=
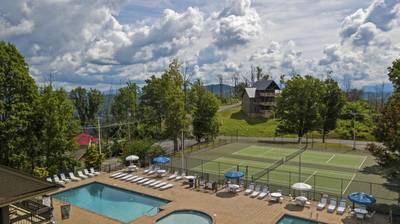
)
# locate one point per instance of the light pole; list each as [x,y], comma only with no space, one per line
[98,125]
[354,130]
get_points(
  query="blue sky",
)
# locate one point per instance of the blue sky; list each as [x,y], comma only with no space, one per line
[103,44]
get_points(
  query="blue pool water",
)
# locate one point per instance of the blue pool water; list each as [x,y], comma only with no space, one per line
[186,217]
[288,219]
[113,202]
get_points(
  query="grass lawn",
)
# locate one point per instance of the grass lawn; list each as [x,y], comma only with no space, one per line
[235,122]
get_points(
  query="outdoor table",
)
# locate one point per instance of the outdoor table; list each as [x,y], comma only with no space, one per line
[131,168]
[361,211]
[276,196]
[190,177]
[233,187]
[301,198]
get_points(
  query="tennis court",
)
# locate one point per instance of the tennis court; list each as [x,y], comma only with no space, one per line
[326,171]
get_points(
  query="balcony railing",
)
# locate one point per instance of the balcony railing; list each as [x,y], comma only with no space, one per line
[267,103]
[267,94]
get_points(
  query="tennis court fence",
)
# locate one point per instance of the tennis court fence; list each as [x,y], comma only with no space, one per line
[214,171]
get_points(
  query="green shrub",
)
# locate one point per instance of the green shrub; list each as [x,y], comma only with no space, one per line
[93,157]
[40,172]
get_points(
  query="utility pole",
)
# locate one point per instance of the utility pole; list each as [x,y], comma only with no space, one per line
[98,125]
[354,131]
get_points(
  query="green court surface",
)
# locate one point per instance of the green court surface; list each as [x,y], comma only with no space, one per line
[323,170]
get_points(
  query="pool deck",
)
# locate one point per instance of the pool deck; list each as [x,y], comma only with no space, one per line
[223,206]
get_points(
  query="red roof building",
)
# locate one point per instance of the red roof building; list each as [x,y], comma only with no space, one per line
[85,139]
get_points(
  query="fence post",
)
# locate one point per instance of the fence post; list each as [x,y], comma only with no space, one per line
[202,169]
[247,175]
[290,178]
[237,167]
[314,187]
[341,188]
[219,170]
[370,188]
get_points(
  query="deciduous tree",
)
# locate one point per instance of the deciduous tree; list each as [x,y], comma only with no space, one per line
[298,106]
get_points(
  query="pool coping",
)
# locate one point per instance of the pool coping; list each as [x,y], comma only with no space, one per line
[109,185]
[182,210]
[298,217]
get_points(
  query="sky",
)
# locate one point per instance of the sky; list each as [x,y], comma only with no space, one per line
[104,44]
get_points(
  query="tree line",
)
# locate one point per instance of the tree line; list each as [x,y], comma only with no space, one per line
[38,124]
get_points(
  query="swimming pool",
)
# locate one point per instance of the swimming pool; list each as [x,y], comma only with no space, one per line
[186,216]
[289,219]
[113,202]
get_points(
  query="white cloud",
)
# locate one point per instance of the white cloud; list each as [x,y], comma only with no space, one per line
[100,43]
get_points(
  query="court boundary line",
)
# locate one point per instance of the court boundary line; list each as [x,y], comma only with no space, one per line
[362,163]
[348,185]
[333,156]
[309,177]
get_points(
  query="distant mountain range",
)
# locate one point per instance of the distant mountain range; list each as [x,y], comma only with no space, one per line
[227,90]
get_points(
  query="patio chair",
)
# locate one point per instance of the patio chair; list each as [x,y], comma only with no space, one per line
[86,172]
[93,171]
[142,180]
[256,191]
[332,205]
[49,179]
[121,175]
[136,179]
[177,178]
[73,177]
[360,216]
[57,180]
[342,207]
[115,174]
[322,203]
[64,178]
[173,176]
[165,187]
[370,215]
[160,184]
[264,193]
[250,189]
[81,175]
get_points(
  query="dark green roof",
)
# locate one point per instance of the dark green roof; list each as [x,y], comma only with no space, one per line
[16,186]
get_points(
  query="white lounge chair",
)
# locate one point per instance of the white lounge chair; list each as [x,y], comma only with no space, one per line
[150,168]
[130,178]
[154,183]
[143,180]
[81,175]
[322,203]
[180,177]
[148,182]
[173,176]
[332,205]
[153,171]
[120,175]
[73,177]
[342,207]
[49,179]
[264,193]
[250,189]
[137,179]
[256,191]
[166,187]
[64,178]
[94,172]
[160,184]
[126,177]
[57,180]
[115,174]
[86,172]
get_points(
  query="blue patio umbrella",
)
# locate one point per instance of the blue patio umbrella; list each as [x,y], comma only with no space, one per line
[161,159]
[233,175]
[361,198]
